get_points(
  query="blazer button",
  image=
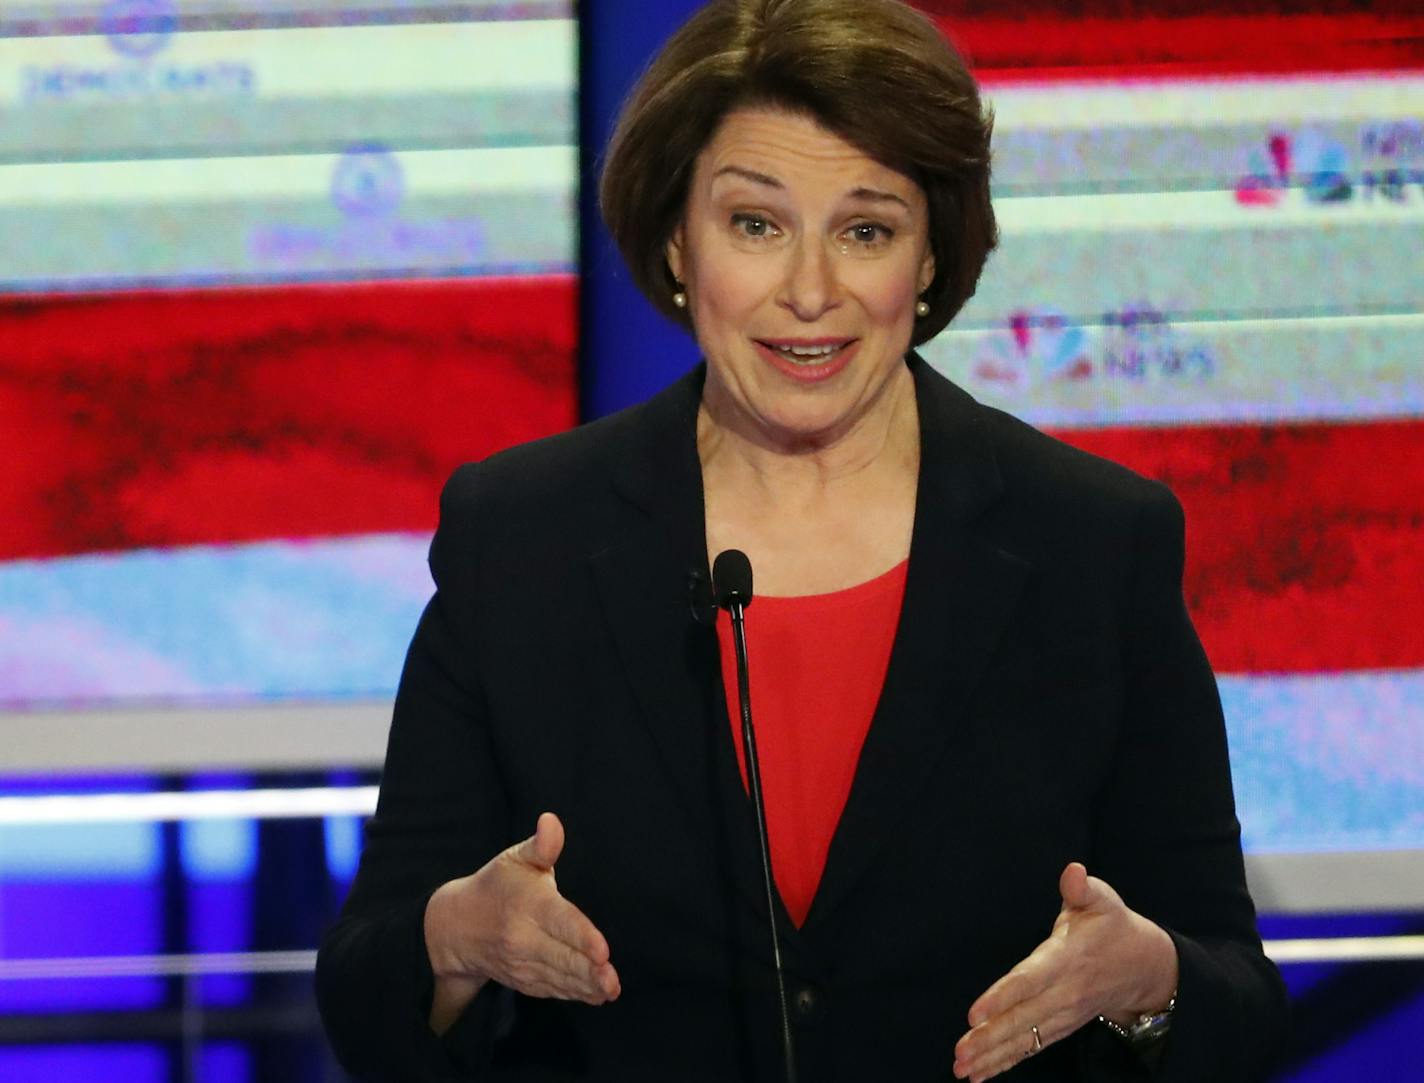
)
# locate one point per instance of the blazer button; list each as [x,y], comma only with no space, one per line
[806,1004]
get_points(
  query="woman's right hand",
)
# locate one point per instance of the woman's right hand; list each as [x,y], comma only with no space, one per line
[508,923]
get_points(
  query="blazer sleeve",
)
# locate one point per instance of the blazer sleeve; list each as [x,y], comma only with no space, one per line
[1165,834]
[442,813]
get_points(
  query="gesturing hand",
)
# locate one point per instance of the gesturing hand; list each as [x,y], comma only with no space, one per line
[1100,959]
[508,922]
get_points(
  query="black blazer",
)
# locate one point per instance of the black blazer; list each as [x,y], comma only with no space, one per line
[1047,700]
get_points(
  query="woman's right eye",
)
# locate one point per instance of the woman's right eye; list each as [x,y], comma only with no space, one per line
[753,225]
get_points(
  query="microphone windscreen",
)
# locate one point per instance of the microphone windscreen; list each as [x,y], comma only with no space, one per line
[732,578]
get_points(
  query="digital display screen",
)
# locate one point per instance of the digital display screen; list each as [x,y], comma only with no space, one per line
[1212,271]
[270,273]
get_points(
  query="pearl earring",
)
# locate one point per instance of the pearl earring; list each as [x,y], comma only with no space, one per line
[922,309]
[679,299]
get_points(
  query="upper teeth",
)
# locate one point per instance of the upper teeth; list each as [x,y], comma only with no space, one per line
[808,351]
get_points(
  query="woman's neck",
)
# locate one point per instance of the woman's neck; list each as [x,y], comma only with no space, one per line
[739,452]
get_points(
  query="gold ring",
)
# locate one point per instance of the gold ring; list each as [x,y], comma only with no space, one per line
[1037,1042]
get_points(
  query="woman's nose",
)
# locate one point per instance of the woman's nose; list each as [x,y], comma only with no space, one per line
[810,288]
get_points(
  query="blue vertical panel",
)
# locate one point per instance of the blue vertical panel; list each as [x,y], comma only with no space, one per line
[218,859]
[110,1063]
[73,890]
[343,847]
[1352,1021]
[629,350]
[1386,1048]
[225,1062]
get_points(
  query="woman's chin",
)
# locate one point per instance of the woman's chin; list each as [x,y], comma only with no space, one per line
[805,424]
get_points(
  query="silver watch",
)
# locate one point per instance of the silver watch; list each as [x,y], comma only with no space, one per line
[1147,1027]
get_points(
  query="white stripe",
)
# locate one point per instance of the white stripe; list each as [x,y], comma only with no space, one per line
[295,176]
[1310,368]
[1194,103]
[1348,949]
[65,14]
[545,169]
[180,738]
[1336,881]
[1188,212]
[332,62]
[192,805]
[129,966]
[1334,950]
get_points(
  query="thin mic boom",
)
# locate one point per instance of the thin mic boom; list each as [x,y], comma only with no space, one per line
[732,588]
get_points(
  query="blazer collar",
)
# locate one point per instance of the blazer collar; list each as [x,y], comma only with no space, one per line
[958,594]
[661,474]
[960,589]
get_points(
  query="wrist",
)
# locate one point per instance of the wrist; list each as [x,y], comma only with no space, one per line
[1146,1027]
[446,962]
[1149,1016]
[1159,987]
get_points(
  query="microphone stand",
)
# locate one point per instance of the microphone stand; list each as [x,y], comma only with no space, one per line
[736,610]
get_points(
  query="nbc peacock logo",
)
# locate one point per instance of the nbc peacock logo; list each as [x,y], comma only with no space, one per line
[1308,160]
[1038,350]
[1038,344]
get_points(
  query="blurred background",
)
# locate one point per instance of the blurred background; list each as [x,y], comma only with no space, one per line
[270,269]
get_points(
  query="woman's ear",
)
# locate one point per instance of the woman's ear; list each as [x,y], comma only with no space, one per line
[674,252]
[927,269]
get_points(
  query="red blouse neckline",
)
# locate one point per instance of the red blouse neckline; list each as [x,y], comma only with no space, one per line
[887,581]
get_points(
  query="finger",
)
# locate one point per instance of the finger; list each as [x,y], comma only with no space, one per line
[542,849]
[1073,886]
[546,977]
[609,981]
[1000,1043]
[566,923]
[1029,977]
[575,974]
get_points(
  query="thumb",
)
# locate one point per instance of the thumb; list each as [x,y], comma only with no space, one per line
[543,848]
[1073,886]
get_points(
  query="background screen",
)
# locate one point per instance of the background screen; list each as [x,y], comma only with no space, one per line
[1212,270]
[270,272]
[270,269]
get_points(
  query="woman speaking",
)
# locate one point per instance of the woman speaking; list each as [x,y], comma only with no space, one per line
[997,795]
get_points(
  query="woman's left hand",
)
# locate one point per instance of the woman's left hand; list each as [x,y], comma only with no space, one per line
[1100,959]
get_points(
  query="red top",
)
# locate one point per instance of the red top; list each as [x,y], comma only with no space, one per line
[817,663]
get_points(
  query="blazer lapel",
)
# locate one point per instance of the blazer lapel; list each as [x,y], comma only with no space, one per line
[671,658]
[958,595]
[658,540]
[959,591]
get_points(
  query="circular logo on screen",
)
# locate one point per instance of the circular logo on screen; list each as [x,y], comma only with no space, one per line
[138,28]
[1036,344]
[368,181]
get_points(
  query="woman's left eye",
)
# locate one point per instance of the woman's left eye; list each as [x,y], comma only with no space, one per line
[869,233]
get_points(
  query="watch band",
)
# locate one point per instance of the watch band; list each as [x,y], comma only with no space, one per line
[1147,1027]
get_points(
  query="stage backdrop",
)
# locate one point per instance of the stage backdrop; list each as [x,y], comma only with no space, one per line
[1212,270]
[268,276]
[268,273]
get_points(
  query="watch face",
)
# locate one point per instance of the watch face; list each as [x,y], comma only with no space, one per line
[1149,1027]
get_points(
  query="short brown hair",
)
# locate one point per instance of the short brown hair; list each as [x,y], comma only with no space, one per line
[875,72]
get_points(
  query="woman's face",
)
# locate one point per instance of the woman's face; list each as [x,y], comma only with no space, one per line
[802,259]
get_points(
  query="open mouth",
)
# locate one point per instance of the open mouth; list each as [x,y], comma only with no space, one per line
[806,355]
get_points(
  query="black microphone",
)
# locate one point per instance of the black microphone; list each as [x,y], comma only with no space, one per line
[732,578]
[732,588]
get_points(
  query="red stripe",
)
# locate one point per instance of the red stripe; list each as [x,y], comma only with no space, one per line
[1305,543]
[1036,46]
[166,418]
